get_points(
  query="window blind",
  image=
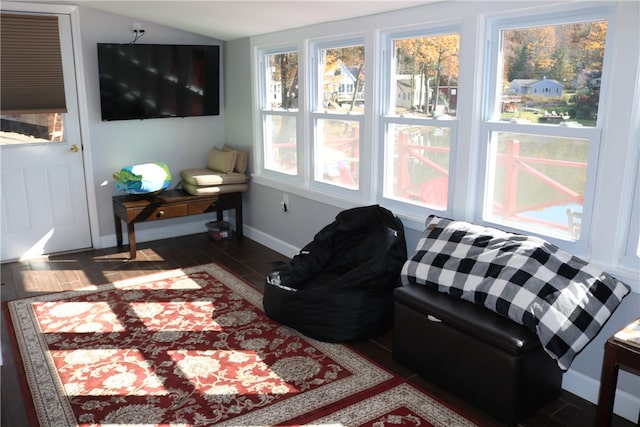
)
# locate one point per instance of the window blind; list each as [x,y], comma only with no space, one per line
[31,65]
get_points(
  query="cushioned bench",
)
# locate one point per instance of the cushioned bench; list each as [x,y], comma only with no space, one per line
[224,175]
[204,182]
[480,356]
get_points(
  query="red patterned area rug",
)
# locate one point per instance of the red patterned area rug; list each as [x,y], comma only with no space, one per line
[193,347]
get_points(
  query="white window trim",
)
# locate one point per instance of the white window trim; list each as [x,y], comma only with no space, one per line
[579,247]
[490,121]
[303,183]
[414,212]
[630,251]
[554,16]
[313,113]
[269,175]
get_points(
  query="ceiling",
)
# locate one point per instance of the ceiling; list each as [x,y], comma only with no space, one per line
[229,20]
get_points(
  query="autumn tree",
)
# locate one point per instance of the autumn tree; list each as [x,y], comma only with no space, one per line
[430,57]
[529,52]
[584,43]
[566,53]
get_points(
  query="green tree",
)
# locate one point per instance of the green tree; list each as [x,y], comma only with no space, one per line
[560,68]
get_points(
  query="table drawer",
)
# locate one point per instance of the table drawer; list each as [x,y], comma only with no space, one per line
[161,212]
[198,207]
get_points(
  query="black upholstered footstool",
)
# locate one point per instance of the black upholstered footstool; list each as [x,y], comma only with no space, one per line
[486,359]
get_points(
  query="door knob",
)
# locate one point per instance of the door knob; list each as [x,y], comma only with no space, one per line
[74,148]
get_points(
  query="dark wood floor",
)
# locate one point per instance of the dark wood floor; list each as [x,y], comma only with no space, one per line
[247,259]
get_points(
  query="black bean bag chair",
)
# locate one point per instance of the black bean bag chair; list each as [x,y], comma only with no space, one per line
[340,286]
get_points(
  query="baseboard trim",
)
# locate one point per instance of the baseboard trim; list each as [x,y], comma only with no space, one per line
[271,242]
[165,231]
[193,227]
[625,404]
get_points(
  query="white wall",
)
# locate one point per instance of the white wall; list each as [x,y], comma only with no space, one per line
[287,232]
[180,142]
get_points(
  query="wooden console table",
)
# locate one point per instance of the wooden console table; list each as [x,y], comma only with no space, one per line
[170,204]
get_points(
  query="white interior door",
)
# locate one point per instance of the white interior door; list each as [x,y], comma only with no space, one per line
[44,202]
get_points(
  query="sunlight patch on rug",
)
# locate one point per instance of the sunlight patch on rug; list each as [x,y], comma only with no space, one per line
[190,347]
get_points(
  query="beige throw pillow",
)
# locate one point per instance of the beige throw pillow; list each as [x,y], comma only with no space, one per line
[242,158]
[222,161]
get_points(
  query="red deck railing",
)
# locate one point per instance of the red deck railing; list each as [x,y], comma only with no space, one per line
[431,192]
[434,192]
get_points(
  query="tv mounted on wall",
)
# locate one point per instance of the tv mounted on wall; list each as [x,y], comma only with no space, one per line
[145,81]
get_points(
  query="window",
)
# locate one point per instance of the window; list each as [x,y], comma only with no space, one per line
[31,128]
[542,124]
[279,111]
[33,103]
[338,113]
[419,117]
[543,107]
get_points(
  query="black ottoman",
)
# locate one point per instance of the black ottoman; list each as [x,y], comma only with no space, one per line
[486,359]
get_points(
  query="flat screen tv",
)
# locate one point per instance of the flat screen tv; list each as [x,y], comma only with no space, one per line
[145,81]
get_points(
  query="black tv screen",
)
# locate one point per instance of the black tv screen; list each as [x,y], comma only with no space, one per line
[145,81]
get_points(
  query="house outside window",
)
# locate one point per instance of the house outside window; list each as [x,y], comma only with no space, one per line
[279,111]
[337,113]
[542,123]
[420,117]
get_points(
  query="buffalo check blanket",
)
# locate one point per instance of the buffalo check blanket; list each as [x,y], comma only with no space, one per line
[560,297]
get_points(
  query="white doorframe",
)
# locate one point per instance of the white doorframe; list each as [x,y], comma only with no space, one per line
[83,115]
